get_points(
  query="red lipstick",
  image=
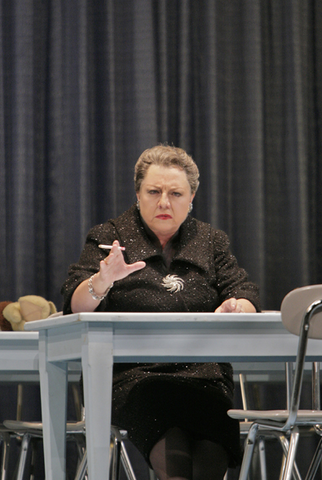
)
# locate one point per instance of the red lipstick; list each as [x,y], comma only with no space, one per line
[164,216]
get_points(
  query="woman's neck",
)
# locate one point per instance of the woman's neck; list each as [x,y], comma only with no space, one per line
[163,239]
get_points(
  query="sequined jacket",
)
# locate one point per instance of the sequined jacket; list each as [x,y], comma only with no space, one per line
[203,272]
[206,273]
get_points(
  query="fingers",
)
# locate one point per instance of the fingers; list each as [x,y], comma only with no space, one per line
[114,266]
[134,267]
[230,306]
[114,253]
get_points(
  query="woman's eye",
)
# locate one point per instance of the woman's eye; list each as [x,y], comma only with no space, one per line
[153,192]
[176,194]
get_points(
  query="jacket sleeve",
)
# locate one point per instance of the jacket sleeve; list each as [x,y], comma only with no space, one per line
[88,263]
[231,280]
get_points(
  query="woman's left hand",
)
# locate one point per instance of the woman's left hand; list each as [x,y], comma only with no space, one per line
[232,305]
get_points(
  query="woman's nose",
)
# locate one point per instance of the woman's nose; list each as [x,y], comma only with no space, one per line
[164,201]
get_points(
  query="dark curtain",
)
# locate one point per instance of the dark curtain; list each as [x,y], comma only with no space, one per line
[87,85]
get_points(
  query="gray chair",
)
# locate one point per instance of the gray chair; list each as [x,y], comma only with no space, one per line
[76,432]
[6,434]
[31,431]
[258,461]
[119,458]
[301,312]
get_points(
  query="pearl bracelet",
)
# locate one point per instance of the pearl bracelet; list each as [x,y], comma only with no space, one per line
[91,289]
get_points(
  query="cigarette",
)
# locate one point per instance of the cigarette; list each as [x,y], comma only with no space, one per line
[108,247]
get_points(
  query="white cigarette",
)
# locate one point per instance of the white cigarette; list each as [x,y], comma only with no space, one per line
[108,247]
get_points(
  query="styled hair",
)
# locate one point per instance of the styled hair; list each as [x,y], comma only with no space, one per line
[166,156]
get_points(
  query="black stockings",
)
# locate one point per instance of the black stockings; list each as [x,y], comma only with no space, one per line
[179,456]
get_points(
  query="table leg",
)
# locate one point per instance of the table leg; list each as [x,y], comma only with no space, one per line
[53,387]
[97,366]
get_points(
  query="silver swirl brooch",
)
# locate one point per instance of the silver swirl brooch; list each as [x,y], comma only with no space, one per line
[173,283]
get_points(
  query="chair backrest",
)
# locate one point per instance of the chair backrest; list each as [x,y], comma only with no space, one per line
[294,307]
[301,309]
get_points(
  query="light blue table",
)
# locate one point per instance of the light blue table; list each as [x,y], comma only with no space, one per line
[99,339]
[19,356]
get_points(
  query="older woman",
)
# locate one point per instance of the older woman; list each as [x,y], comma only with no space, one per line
[174,413]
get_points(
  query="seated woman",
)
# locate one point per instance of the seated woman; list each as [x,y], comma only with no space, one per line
[175,413]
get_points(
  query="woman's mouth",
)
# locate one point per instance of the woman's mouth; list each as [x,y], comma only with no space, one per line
[164,216]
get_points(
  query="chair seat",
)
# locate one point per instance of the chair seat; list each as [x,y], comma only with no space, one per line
[21,427]
[301,309]
[305,416]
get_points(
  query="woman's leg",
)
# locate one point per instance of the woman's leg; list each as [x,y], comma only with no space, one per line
[210,460]
[171,457]
[178,456]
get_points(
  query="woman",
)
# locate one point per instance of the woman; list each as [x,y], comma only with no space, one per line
[174,413]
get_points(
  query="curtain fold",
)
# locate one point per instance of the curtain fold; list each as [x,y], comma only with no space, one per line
[86,86]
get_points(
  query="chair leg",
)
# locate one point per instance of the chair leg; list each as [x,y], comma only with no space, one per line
[5,455]
[118,454]
[115,457]
[126,463]
[82,468]
[152,475]
[285,445]
[290,460]
[33,459]
[248,453]
[23,455]
[316,461]
[262,459]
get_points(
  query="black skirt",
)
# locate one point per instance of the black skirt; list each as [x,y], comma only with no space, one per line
[148,399]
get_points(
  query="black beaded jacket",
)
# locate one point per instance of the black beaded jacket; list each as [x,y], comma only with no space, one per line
[203,273]
[206,271]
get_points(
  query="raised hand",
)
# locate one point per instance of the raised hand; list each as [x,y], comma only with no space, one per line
[113,267]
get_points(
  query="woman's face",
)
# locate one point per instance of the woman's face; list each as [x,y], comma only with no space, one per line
[164,197]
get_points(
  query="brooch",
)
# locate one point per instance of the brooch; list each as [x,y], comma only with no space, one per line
[173,283]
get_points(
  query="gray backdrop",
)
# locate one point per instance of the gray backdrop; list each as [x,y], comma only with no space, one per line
[87,85]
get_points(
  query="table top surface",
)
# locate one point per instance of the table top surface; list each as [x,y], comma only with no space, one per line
[214,320]
[174,337]
[243,337]
[17,336]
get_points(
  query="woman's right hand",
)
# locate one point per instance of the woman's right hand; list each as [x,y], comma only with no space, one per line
[112,268]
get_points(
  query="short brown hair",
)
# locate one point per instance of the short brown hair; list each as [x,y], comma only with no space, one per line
[167,156]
